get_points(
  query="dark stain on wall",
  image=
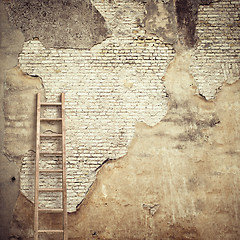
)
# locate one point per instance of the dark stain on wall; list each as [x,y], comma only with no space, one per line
[173,22]
[173,25]
[59,24]
[160,20]
[187,11]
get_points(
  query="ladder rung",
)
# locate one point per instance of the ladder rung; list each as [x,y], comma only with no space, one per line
[51,135]
[58,152]
[48,210]
[50,189]
[50,119]
[52,153]
[50,231]
[51,104]
[51,170]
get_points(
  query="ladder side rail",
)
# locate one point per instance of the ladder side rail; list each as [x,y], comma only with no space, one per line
[36,199]
[64,184]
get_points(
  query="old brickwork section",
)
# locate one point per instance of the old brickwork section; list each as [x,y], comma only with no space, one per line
[217,57]
[108,89]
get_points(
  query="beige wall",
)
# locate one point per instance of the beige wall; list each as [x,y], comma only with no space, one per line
[159,104]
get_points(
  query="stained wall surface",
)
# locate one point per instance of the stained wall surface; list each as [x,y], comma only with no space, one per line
[11,42]
[152,115]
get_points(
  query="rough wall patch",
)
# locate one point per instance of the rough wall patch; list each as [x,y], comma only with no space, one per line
[67,24]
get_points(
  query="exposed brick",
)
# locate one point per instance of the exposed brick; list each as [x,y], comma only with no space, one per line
[108,89]
[217,56]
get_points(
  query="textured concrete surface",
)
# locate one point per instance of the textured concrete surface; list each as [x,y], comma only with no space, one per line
[19,135]
[62,24]
[174,21]
[20,121]
[187,16]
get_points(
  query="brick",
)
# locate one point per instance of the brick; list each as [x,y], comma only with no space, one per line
[220,51]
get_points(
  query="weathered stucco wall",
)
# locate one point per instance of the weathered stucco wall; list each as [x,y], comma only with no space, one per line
[11,41]
[152,116]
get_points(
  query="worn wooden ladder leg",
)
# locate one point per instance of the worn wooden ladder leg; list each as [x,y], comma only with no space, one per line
[64,199]
[36,200]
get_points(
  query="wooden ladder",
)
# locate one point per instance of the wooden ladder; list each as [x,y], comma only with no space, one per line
[62,170]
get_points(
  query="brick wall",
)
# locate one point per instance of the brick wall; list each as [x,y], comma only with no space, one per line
[217,57]
[108,89]
[117,83]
